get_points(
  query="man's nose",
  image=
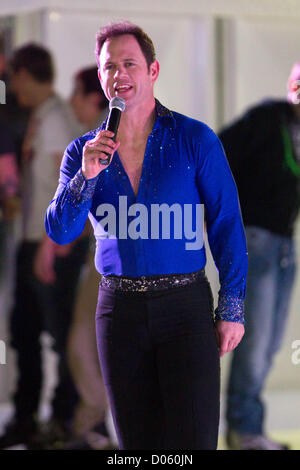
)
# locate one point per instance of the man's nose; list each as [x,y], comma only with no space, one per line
[120,70]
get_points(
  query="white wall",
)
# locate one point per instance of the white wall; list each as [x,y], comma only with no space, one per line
[184,49]
[259,56]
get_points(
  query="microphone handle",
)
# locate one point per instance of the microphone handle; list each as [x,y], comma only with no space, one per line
[112,125]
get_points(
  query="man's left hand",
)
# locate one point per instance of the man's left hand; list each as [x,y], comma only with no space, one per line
[229,334]
[43,263]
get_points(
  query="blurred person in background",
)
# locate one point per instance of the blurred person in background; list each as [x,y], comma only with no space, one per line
[263,150]
[90,106]
[46,274]
[88,101]
[13,121]
[12,115]
[9,188]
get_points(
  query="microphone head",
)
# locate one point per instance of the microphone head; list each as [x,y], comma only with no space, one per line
[117,102]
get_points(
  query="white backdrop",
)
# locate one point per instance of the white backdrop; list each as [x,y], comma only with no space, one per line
[259,56]
[183,46]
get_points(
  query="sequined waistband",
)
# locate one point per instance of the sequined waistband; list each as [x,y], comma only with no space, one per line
[151,283]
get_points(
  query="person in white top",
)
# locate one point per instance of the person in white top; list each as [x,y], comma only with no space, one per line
[46,274]
[92,426]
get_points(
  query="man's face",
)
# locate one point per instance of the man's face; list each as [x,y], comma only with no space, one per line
[78,101]
[294,85]
[22,86]
[124,71]
[85,105]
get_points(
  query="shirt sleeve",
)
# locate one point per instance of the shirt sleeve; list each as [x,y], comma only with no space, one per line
[224,228]
[67,213]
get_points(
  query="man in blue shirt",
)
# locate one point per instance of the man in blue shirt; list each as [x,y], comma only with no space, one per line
[158,345]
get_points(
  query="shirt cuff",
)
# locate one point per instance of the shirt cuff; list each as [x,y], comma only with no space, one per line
[80,189]
[230,308]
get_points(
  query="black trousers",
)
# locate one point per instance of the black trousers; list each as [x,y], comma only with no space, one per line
[160,364]
[39,307]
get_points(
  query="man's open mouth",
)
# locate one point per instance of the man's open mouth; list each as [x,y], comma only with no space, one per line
[122,88]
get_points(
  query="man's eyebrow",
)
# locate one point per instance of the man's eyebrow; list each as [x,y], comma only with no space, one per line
[109,62]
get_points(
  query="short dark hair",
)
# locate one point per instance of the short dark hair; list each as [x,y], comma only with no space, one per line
[125,27]
[90,82]
[36,60]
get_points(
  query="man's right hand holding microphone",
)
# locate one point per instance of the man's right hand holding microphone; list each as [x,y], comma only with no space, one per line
[96,149]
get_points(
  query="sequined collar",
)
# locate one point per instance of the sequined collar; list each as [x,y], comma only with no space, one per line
[161,112]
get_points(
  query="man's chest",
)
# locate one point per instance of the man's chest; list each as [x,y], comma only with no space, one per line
[132,159]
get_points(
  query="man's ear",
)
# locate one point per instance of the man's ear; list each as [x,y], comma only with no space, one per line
[154,71]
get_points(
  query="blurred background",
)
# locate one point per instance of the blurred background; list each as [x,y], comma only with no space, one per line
[217,58]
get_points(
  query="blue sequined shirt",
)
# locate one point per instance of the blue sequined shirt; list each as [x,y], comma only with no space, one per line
[157,231]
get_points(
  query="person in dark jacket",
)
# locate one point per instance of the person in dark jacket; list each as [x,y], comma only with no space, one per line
[263,150]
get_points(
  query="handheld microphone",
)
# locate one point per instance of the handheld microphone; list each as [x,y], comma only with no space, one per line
[116,107]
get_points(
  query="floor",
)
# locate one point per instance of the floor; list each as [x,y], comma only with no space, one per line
[282,420]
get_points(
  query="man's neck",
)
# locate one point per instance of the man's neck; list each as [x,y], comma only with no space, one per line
[137,122]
